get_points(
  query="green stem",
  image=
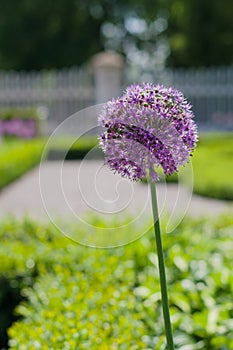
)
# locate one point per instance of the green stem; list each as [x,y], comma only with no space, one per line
[162,274]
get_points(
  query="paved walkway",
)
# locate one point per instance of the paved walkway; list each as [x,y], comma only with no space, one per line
[72,189]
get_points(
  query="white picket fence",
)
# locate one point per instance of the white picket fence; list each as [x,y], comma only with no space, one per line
[210,91]
[64,92]
[61,92]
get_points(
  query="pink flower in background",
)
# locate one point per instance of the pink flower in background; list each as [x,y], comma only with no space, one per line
[25,128]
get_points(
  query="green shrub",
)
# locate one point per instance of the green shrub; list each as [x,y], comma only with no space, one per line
[213,166]
[22,113]
[21,122]
[85,298]
[61,149]
[23,246]
[17,157]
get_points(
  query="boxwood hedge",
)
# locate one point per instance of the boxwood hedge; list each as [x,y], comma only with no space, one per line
[74,297]
[213,166]
[17,157]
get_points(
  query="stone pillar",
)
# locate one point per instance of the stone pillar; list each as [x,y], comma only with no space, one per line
[108,73]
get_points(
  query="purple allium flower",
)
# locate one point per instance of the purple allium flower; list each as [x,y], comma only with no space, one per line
[149,126]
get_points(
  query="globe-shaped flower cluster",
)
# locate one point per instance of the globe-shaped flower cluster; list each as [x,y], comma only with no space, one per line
[150,126]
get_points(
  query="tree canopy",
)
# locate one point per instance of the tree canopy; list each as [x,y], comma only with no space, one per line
[45,33]
[200,32]
[52,34]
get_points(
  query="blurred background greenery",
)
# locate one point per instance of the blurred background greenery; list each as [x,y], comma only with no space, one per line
[46,34]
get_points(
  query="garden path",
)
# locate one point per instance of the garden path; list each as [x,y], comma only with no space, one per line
[74,188]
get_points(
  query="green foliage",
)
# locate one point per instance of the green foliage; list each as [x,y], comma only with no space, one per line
[47,34]
[39,33]
[17,157]
[19,113]
[199,33]
[84,142]
[60,148]
[83,298]
[213,166]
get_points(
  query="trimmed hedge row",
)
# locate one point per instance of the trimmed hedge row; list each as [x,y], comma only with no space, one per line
[213,166]
[60,149]
[17,157]
[21,113]
[81,298]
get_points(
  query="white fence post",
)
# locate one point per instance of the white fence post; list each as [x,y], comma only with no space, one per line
[108,73]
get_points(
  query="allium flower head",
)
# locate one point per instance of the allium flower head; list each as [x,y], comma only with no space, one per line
[148,127]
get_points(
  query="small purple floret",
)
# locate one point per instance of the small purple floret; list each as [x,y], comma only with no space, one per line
[149,126]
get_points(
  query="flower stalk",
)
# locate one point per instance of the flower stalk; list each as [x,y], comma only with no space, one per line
[162,273]
[149,127]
